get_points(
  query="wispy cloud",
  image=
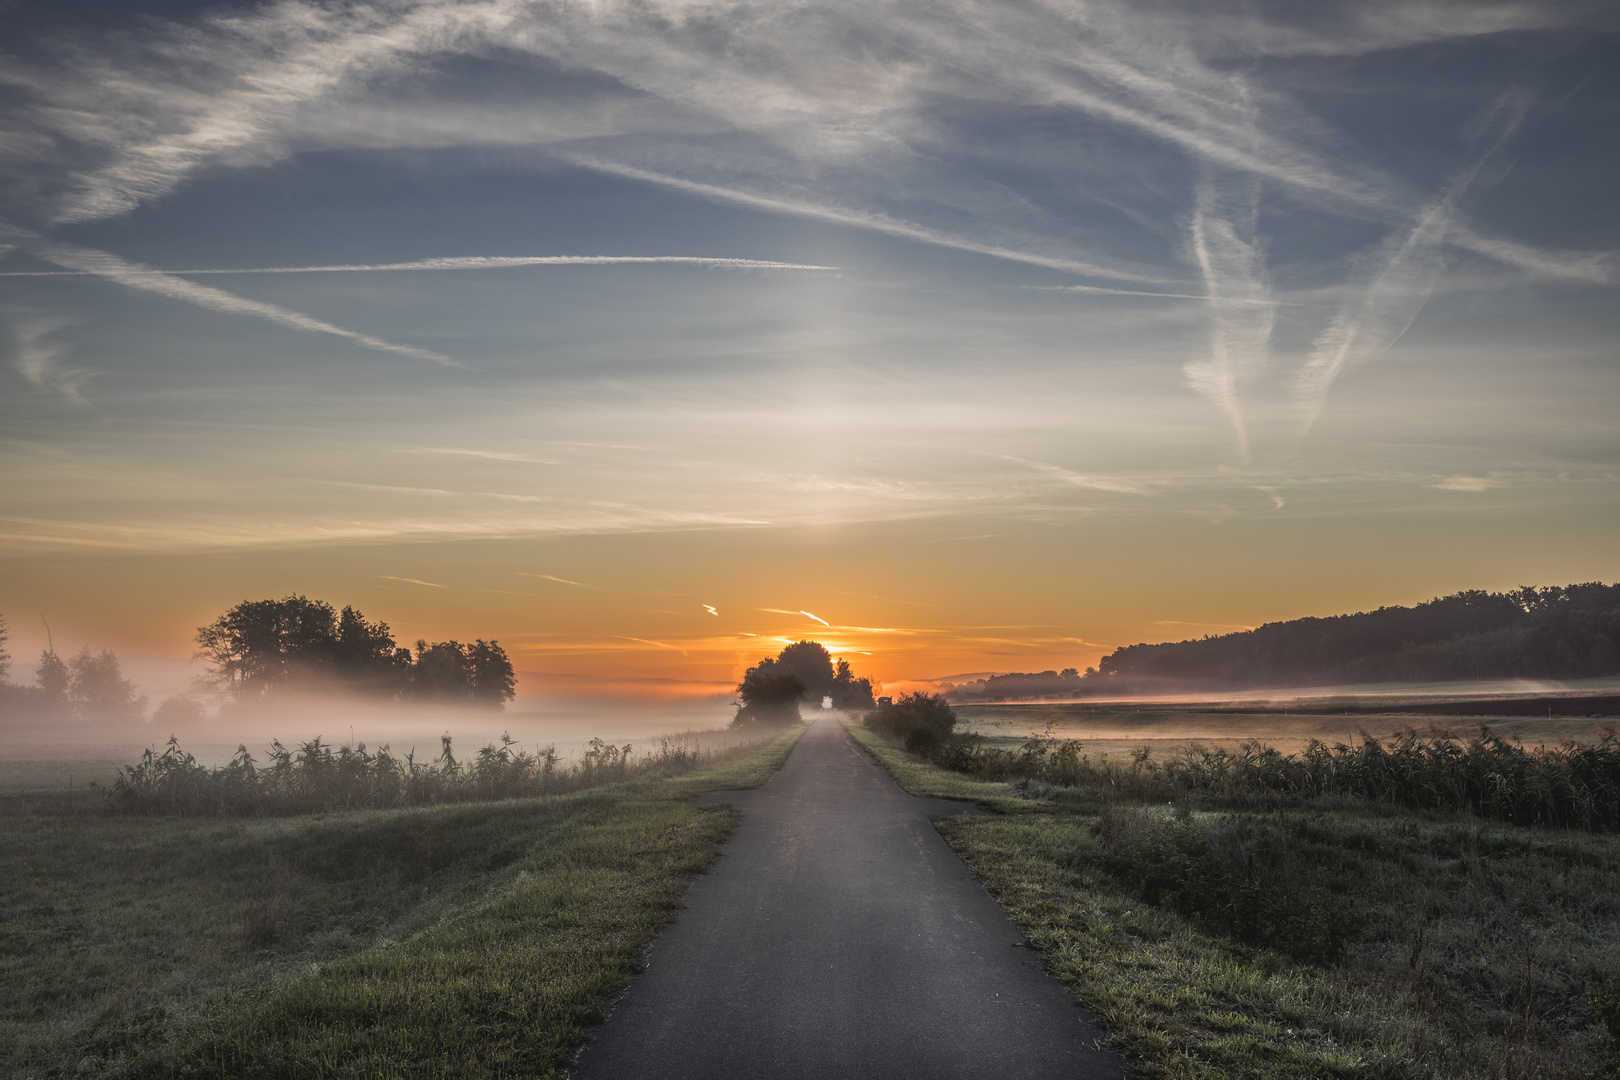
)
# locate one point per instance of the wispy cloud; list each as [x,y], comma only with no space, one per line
[1074,479]
[1400,279]
[39,355]
[412,581]
[467,262]
[817,618]
[1227,250]
[823,130]
[146,279]
[558,580]
[1466,483]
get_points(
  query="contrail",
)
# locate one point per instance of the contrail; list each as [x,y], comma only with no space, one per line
[412,581]
[147,279]
[818,619]
[877,222]
[1137,292]
[1233,269]
[1368,325]
[467,262]
[709,608]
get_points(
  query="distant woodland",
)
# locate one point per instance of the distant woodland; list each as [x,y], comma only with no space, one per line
[1557,632]
[265,650]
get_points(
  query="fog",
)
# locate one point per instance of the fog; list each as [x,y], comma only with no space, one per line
[39,753]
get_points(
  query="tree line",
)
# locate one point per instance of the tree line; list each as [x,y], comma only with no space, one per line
[1555,632]
[261,650]
[264,648]
[86,686]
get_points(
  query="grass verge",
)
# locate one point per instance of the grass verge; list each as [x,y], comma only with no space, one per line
[468,940]
[1481,950]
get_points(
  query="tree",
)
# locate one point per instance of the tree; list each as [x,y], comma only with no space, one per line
[98,690]
[261,647]
[493,681]
[178,711]
[442,672]
[53,681]
[848,692]
[768,697]
[5,657]
[255,645]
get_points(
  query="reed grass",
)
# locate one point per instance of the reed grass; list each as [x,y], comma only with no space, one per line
[318,776]
[1574,785]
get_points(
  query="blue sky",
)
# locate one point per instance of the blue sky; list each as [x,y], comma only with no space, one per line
[1048,286]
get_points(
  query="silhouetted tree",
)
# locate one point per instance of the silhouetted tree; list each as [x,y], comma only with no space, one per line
[5,657]
[848,692]
[493,680]
[178,711]
[768,697]
[478,674]
[53,681]
[98,690]
[261,646]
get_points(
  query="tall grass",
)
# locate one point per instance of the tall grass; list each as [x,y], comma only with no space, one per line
[318,776]
[1575,785]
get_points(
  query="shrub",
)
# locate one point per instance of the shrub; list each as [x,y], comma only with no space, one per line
[1251,885]
[911,712]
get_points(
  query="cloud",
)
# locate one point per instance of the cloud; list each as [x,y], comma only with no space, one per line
[709,608]
[146,279]
[1400,280]
[412,581]
[558,580]
[467,262]
[39,359]
[1227,250]
[836,111]
[1466,483]
[817,618]
[1074,479]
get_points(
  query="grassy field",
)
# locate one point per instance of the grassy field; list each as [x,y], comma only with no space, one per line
[477,939]
[1308,940]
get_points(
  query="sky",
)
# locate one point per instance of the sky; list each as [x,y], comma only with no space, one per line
[979,335]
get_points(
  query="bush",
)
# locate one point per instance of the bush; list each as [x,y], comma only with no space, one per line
[1247,884]
[914,712]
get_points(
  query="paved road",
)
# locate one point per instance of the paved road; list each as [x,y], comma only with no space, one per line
[839,937]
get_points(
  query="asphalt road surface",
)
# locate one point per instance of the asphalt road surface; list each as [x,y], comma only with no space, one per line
[840,937]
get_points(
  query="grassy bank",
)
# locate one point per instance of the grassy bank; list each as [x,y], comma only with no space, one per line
[1465,948]
[477,939]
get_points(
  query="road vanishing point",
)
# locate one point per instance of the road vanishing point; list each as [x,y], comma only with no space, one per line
[840,937]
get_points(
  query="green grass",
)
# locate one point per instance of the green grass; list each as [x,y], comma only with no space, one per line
[1476,950]
[466,940]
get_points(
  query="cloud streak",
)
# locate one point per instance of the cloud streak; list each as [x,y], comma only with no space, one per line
[1227,251]
[142,278]
[1400,281]
[467,262]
